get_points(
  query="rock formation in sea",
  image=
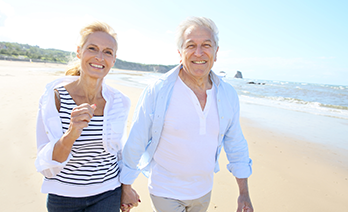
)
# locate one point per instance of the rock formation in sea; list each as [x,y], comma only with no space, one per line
[238,75]
[222,73]
[256,83]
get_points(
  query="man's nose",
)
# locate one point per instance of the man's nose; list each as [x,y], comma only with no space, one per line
[198,51]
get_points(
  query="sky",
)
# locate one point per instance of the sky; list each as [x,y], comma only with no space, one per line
[298,40]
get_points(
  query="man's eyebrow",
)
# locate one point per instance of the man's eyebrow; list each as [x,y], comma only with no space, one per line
[192,41]
[110,48]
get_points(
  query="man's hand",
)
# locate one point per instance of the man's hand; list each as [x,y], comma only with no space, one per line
[129,198]
[244,202]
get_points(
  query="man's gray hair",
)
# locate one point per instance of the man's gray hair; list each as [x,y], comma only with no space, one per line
[196,21]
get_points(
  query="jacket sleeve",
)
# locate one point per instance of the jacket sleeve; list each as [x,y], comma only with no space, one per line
[46,141]
[235,145]
[139,138]
[126,104]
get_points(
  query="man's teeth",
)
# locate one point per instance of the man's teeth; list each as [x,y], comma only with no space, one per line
[97,66]
[199,62]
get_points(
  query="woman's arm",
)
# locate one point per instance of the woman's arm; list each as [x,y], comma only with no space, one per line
[80,117]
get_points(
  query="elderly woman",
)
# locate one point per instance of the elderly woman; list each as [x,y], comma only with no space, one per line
[81,130]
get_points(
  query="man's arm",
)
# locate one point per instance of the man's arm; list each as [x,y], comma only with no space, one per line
[236,148]
[244,202]
[138,139]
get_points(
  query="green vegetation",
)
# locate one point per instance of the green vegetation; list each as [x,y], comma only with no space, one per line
[121,64]
[25,52]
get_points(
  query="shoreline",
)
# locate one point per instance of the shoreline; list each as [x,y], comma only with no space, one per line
[289,173]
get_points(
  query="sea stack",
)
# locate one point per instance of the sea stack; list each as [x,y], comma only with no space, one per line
[238,75]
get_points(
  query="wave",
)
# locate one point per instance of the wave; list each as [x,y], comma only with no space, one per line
[302,102]
[299,105]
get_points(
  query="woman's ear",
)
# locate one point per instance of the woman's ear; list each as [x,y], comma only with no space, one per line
[78,53]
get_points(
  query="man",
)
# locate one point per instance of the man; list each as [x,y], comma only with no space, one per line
[180,125]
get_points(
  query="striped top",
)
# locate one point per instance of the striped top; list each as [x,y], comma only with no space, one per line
[90,163]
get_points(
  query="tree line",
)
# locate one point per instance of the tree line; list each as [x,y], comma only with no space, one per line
[25,52]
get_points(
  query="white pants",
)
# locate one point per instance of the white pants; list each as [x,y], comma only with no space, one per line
[164,204]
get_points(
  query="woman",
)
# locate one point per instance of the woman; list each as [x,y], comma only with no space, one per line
[81,130]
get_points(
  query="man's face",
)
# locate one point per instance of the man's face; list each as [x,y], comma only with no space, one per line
[198,52]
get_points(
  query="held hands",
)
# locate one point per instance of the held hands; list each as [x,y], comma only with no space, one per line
[129,198]
[80,117]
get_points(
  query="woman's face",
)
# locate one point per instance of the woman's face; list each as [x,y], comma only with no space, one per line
[98,55]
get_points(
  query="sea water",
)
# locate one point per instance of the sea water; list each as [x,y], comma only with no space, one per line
[318,99]
[315,112]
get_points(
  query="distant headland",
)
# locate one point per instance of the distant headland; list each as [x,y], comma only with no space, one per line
[25,52]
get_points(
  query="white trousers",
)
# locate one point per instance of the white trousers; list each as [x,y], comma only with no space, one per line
[164,204]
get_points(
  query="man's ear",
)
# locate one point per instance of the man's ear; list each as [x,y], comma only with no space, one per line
[217,49]
[180,55]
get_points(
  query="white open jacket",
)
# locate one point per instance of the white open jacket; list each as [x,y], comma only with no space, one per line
[49,127]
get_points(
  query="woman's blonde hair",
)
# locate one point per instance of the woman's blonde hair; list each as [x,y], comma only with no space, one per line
[75,67]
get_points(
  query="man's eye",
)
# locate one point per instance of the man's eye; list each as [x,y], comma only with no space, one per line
[91,48]
[109,52]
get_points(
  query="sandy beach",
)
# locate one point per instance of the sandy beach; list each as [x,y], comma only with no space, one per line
[290,174]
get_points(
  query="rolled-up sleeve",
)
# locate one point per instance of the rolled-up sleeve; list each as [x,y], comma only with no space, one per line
[45,144]
[236,147]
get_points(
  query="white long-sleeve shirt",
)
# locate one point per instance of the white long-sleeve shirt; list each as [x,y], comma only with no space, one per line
[183,163]
[148,123]
[49,126]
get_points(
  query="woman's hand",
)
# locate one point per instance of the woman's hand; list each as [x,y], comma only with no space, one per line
[80,117]
[129,198]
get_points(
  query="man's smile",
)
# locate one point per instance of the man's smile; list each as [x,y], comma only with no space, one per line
[199,62]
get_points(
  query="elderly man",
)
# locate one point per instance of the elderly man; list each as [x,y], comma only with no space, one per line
[180,125]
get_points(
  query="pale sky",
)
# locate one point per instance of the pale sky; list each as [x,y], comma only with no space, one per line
[298,40]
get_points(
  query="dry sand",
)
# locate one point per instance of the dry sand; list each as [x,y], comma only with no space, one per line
[288,174]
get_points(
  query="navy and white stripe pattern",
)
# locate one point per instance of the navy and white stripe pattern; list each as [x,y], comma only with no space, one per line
[90,163]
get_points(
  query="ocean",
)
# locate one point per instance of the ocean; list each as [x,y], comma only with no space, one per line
[315,112]
[318,99]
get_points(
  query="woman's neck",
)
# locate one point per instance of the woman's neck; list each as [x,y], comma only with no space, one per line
[86,90]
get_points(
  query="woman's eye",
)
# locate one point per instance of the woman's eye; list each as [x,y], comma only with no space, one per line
[91,48]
